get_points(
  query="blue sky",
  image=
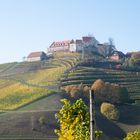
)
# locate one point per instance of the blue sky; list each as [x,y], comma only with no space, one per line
[32,25]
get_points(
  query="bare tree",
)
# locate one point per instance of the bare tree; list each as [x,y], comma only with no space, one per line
[23,58]
[111,47]
[111,41]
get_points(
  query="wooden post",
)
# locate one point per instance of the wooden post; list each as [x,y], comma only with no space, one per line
[92,115]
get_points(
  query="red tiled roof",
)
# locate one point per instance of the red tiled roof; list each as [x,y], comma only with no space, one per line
[34,54]
[62,42]
[51,45]
[133,52]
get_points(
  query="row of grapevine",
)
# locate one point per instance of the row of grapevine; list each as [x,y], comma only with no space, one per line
[87,75]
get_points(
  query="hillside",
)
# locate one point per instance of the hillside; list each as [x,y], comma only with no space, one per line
[36,93]
[130,112]
[87,75]
[30,81]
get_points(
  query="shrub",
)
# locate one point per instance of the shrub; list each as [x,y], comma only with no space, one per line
[75,93]
[108,92]
[99,90]
[68,89]
[133,136]
[86,90]
[109,111]
[117,94]
[97,85]
[81,87]
[42,120]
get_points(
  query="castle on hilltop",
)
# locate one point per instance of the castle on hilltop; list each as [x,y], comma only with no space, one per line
[87,44]
[72,45]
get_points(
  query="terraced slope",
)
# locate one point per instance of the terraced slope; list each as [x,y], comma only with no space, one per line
[6,66]
[25,82]
[87,75]
[19,124]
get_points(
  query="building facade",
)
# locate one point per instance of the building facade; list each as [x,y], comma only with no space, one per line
[36,56]
[73,46]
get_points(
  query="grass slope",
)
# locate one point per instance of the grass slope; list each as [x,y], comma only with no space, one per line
[25,82]
[18,124]
[33,80]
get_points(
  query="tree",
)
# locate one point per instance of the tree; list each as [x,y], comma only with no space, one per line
[103,50]
[74,121]
[107,49]
[111,41]
[111,46]
[23,58]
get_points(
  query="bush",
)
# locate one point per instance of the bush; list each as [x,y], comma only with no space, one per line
[86,90]
[68,89]
[117,94]
[98,85]
[108,92]
[133,136]
[99,90]
[75,93]
[42,120]
[109,111]
[81,87]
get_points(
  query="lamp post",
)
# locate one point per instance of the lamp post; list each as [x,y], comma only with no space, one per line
[92,115]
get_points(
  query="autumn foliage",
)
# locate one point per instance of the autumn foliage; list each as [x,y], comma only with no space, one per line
[133,136]
[109,92]
[74,121]
[104,92]
[76,91]
[109,111]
